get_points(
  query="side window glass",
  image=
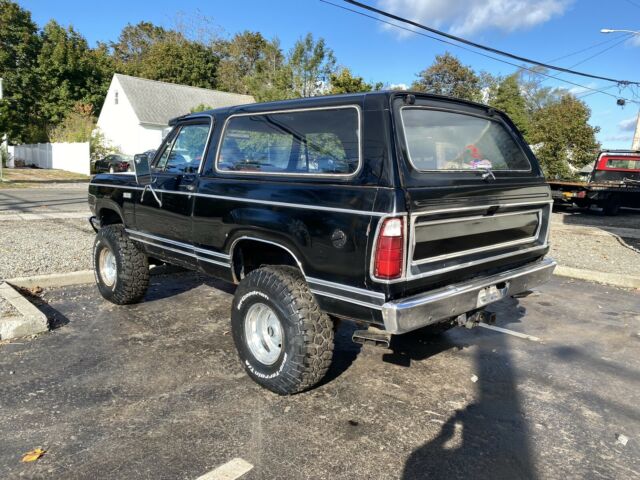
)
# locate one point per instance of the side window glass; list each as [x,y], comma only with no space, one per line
[309,142]
[161,161]
[187,149]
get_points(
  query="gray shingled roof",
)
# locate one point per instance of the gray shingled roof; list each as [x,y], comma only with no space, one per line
[157,102]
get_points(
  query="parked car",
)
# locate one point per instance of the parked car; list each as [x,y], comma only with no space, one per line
[397,210]
[113,163]
[610,183]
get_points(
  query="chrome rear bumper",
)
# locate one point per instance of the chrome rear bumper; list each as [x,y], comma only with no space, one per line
[411,313]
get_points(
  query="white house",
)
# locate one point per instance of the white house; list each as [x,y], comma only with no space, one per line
[136,111]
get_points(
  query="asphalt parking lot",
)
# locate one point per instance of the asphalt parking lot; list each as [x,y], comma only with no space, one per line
[155,390]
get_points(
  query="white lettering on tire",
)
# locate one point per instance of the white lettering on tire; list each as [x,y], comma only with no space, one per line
[262,375]
[247,295]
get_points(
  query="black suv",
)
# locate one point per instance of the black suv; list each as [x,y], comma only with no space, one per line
[397,210]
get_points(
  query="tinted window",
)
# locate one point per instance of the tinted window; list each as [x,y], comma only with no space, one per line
[297,143]
[452,141]
[627,164]
[184,152]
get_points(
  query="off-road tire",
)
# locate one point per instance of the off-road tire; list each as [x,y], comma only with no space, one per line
[132,266]
[308,336]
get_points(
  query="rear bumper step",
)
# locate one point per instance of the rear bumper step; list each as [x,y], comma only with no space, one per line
[411,313]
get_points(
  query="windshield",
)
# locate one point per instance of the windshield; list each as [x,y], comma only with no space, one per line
[448,141]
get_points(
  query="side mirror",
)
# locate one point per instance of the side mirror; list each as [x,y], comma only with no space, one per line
[142,169]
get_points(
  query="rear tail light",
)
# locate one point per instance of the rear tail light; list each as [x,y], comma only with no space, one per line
[389,251]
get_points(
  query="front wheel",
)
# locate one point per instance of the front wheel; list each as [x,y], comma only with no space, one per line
[121,267]
[284,340]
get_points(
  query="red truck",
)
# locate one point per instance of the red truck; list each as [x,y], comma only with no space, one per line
[613,183]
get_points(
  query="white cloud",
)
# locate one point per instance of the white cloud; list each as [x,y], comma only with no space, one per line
[628,125]
[464,17]
[635,41]
[398,86]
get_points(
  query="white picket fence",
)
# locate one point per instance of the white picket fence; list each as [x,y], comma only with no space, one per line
[72,157]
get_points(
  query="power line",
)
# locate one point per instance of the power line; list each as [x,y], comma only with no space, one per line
[522,67]
[637,5]
[609,40]
[483,47]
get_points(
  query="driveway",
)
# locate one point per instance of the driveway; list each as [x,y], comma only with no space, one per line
[155,390]
[50,202]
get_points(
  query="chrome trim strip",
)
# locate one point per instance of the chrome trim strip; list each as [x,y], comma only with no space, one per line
[479,207]
[471,251]
[253,200]
[188,254]
[348,288]
[346,299]
[475,262]
[180,244]
[289,174]
[475,217]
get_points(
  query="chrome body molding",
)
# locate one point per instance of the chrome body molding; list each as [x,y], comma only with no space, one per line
[178,247]
[254,200]
[427,308]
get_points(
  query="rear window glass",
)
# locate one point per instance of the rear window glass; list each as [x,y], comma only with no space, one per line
[450,141]
[626,163]
[310,142]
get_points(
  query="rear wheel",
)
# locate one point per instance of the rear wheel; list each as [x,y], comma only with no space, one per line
[612,207]
[284,340]
[121,267]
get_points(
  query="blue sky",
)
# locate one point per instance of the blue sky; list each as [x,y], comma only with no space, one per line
[541,29]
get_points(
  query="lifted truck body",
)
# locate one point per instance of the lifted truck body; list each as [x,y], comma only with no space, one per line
[614,182]
[465,238]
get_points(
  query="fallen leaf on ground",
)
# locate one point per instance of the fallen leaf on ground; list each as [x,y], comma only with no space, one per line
[33,455]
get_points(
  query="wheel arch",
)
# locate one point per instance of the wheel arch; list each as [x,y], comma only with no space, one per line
[109,213]
[240,243]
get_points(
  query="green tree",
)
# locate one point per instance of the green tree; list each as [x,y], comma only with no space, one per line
[448,76]
[19,46]
[344,82]
[177,60]
[562,137]
[251,64]
[69,72]
[201,107]
[507,97]
[133,43]
[311,64]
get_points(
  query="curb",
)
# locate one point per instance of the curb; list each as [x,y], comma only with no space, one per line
[54,280]
[30,322]
[79,277]
[615,279]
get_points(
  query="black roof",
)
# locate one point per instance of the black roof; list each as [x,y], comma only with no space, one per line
[323,100]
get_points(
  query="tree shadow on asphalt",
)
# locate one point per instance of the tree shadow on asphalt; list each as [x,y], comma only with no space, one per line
[489,438]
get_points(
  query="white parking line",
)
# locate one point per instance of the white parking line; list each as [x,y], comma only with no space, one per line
[229,471]
[509,332]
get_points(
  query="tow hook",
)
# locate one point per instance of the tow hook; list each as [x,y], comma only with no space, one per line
[372,336]
[474,319]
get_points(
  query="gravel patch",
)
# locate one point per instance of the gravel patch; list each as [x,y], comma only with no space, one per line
[572,216]
[7,310]
[602,253]
[45,246]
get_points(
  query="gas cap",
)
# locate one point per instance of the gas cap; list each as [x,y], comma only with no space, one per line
[339,238]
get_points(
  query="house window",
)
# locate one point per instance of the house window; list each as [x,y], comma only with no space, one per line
[116,97]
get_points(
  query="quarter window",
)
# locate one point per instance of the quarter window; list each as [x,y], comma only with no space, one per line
[309,142]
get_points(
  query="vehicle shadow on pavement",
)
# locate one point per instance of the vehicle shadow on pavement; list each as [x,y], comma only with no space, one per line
[489,438]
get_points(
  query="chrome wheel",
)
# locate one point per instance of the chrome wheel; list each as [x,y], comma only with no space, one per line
[263,333]
[108,267]
[112,170]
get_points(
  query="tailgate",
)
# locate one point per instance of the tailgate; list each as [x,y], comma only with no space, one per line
[476,198]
